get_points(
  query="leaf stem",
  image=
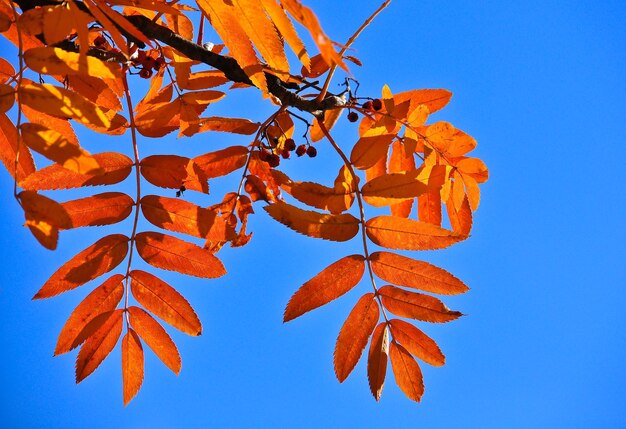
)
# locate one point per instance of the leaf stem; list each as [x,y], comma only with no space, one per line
[348,165]
[19,98]
[133,132]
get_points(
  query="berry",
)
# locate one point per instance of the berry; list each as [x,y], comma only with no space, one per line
[264,155]
[285,154]
[159,62]
[140,58]
[148,63]
[145,73]
[377,104]
[290,144]
[353,117]
[368,105]
[311,151]
[301,150]
[273,160]
[99,41]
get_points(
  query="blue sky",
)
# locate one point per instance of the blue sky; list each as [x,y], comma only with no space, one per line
[541,87]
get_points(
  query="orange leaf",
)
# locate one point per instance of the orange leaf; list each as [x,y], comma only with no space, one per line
[44,217]
[407,372]
[171,253]
[101,92]
[336,200]
[334,281]
[6,70]
[63,126]
[68,104]
[286,29]
[341,227]
[434,99]
[408,272]
[165,302]
[429,209]
[473,167]
[7,97]
[155,337]
[416,342]
[228,125]
[54,146]
[331,116]
[416,305]
[182,216]
[369,150]
[393,188]
[101,300]
[50,60]
[307,18]
[377,360]
[222,162]
[407,234]
[116,167]
[461,219]
[101,209]
[99,258]
[354,335]
[172,171]
[132,365]
[98,346]
[8,151]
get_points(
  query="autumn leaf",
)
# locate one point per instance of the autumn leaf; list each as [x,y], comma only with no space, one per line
[429,209]
[228,125]
[57,148]
[116,168]
[354,335]
[416,305]
[98,346]
[50,60]
[44,217]
[165,302]
[101,300]
[407,234]
[416,342]
[407,272]
[9,148]
[68,104]
[222,162]
[100,209]
[99,258]
[331,283]
[460,219]
[377,360]
[407,372]
[171,253]
[341,227]
[132,365]
[172,171]
[155,337]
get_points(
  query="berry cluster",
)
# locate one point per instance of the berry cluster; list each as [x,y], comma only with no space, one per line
[272,156]
[148,62]
[374,105]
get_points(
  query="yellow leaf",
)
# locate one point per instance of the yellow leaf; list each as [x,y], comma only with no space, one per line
[57,148]
[50,60]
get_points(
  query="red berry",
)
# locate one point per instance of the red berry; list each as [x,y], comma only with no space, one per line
[290,144]
[145,73]
[377,104]
[311,151]
[368,105]
[264,155]
[301,150]
[159,62]
[148,63]
[285,154]
[99,41]
[353,117]
[141,57]
[273,160]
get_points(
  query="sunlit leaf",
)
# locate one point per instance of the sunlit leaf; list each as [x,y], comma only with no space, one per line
[407,234]
[98,346]
[172,171]
[354,335]
[50,60]
[132,365]
[155,337]
[377,360]
[334,281]
[407,272]
[407,372]
[416,342]
[100,209]
[416,305]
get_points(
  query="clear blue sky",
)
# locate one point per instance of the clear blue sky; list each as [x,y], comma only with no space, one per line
[541,86]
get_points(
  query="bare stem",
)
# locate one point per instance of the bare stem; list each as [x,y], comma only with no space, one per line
[350,41]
